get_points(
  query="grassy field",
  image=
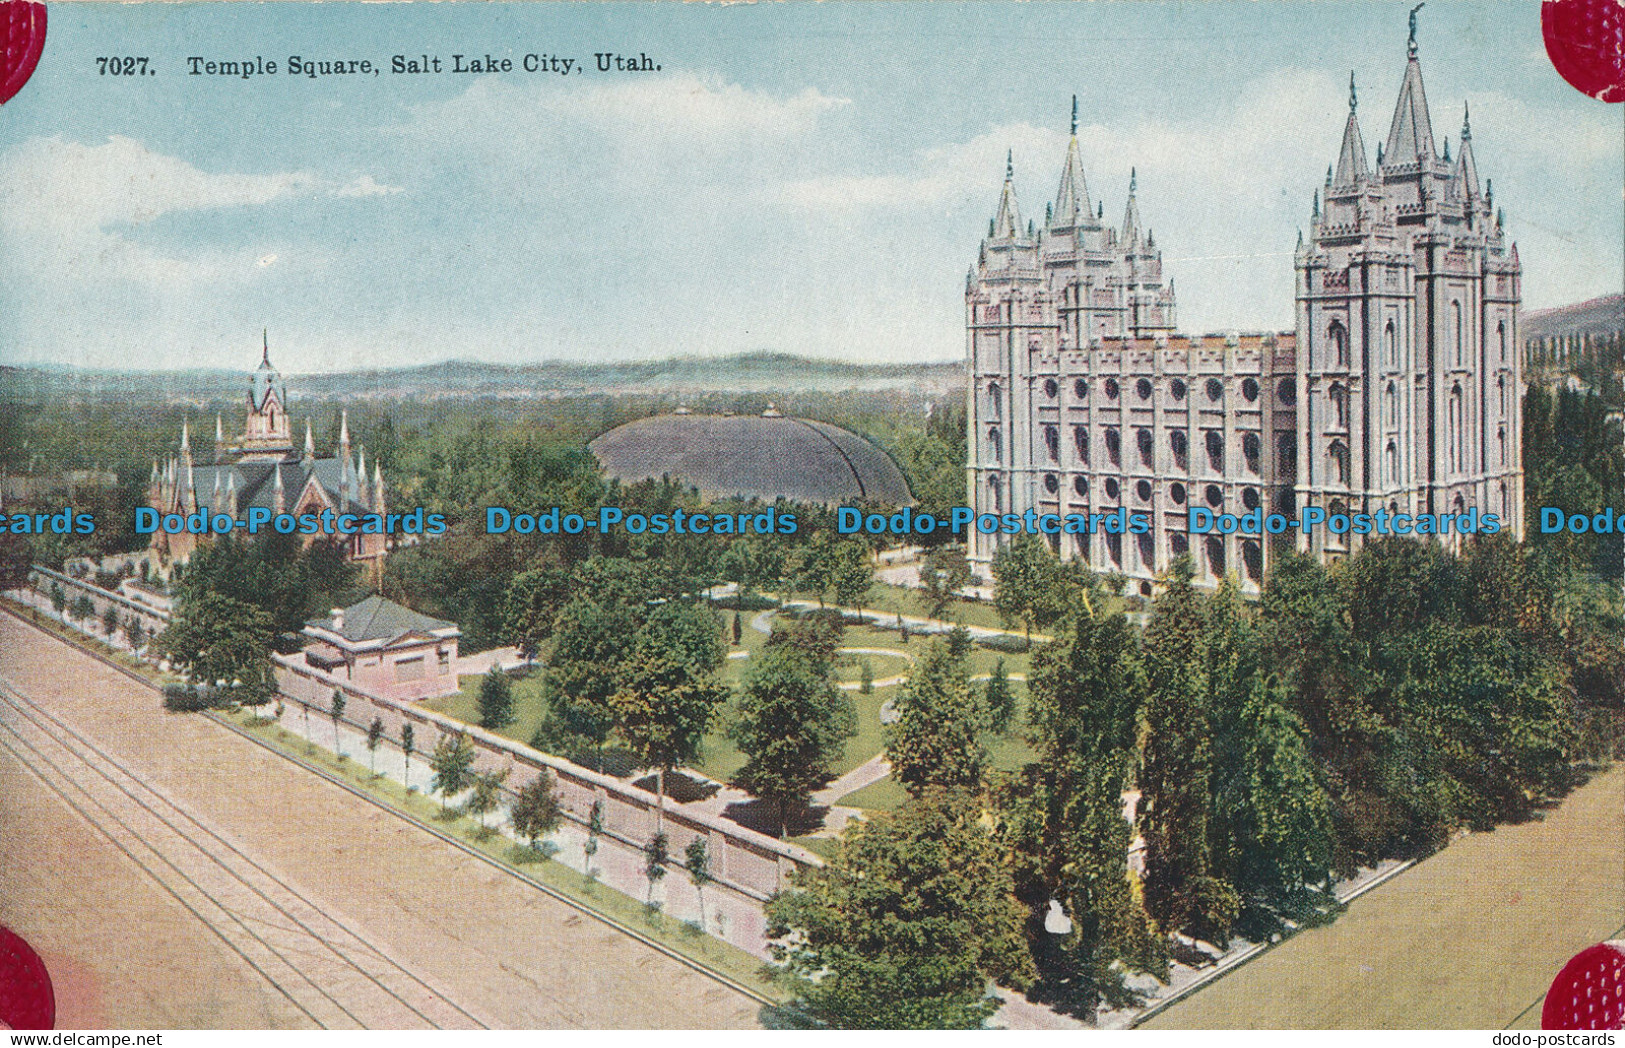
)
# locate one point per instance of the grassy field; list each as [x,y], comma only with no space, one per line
[720,759]
[1470,939]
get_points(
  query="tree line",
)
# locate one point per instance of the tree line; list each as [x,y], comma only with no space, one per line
[1357,712]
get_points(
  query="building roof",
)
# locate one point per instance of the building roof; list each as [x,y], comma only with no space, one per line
[767,457]
[379,619]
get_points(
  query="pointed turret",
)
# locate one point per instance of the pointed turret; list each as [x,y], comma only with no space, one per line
[231,494]
[1007,224]
[308,459]
[1466,166]
[219,439]
[1131,212]
[279,494]
[214,501]
[1410,137]
[1351,158]
[1072,200]
[361,475]
[378,505]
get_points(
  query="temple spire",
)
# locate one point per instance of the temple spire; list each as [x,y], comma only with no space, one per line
[1131,212]
[1410,137]
[1351,158]
[1007,225]
[265,342]
[1072,199]
[309,457]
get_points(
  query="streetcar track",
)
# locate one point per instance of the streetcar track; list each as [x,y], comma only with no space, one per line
[724,981]
[310,948]
[257,866]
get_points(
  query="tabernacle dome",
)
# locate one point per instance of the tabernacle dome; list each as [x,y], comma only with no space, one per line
[765,456]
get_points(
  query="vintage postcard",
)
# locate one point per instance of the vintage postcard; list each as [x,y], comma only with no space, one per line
[1074,516]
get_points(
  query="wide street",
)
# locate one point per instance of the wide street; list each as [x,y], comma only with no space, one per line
[173,874]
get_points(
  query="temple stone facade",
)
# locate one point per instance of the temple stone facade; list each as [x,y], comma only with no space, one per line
[1400,388]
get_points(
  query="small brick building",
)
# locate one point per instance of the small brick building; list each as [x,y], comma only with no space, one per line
[387,648]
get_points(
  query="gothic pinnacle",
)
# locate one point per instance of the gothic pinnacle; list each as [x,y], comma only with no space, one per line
[1354,99]
[1466,123]
[1009,164]
[265,342]
[1412,45]
[1074,116]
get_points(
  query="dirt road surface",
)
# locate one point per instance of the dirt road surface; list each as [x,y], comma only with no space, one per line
[1471,938]
[125,952]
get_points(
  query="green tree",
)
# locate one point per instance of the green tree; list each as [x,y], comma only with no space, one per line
[110,620]
[1285,840]
[792,723]
[595,829]
[1176,769]
[453,763]
[487,794]
[662,711]
[698,864]
[936,740]
[336,711]
[59,599]
[582,673]
[1062,818]
[903,928]
[496,699]
[738,630]
[83,609]
[1033,587]
[217,638]
[945,572]
[536,810]
[134,633]
[852,572]
[997,700]
[375,735]
[655,854]
[408,744]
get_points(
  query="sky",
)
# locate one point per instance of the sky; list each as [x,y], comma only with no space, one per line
[801,178]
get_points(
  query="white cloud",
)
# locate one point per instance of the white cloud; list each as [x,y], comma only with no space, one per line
[67,208]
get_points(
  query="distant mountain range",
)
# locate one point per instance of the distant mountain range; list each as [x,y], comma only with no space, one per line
[747,373]
[1597,316]
[755,372]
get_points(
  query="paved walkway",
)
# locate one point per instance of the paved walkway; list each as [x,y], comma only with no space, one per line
[866,774]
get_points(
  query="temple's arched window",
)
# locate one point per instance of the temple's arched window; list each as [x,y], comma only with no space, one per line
[993,400]
[1339,398]
[1215,451]
[1052,443]
[1338,336]
[1390,458]
[1390,405]
[1460,342]
[1337,463]
[1390,345]
[995,445]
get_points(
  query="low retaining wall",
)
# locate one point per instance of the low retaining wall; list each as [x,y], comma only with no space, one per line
[749,862]
[152,620]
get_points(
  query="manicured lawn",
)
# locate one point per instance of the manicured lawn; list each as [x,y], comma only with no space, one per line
[719,758]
